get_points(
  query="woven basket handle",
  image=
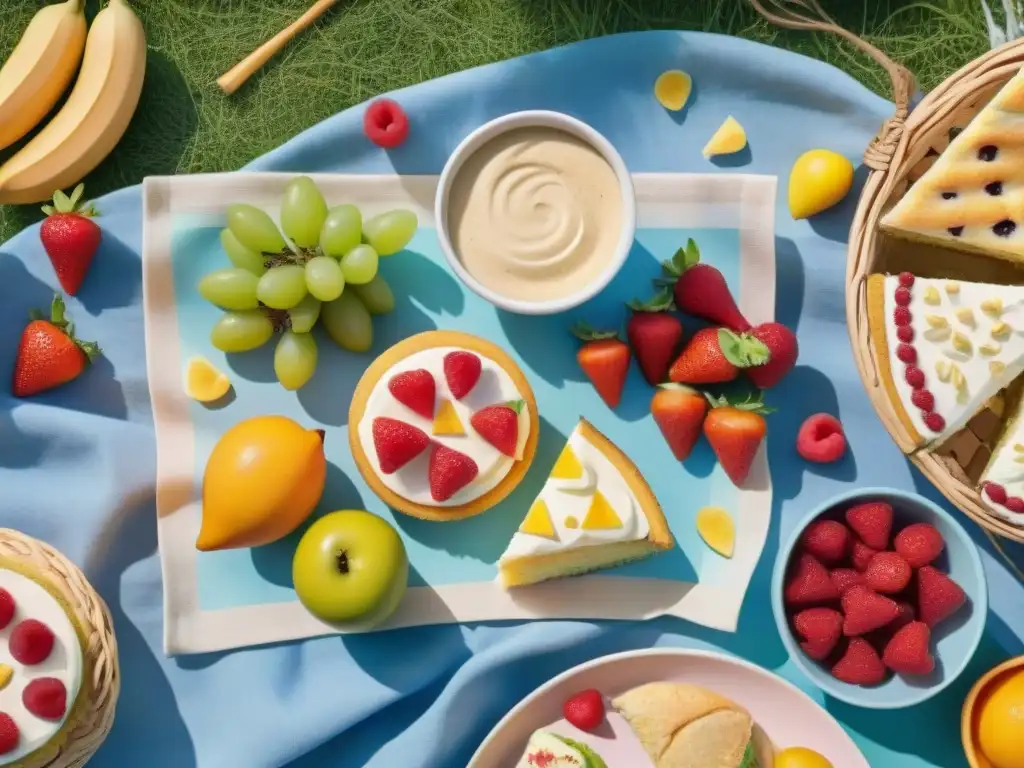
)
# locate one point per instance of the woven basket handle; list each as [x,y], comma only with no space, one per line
[809,15]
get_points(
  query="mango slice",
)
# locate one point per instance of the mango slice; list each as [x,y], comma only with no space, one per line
[729,138]
[672,89]
[203,382]
[716,527]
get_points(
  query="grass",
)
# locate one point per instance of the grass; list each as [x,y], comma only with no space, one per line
[364,47]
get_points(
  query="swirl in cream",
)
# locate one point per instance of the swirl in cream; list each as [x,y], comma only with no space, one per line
[535,214]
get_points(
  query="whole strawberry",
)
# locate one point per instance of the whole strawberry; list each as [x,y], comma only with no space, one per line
[716,355]
[585,710]
[782,353]
[70,237]
[654,336]
[49,354]
[679,413]
[701,290]
[604,358]
[735,432]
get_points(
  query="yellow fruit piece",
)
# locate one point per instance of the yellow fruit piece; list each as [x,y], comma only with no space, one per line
[601,516]
[446,420]
[819,179]
[567,467]
[715,526]
[203,382]
[572,522]
[263,479]
[1001,723]
[729,138]
[6,673]
[672,89]
[538,521]
[801,757]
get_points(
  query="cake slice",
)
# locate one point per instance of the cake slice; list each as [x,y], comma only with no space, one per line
[595,511]
[1002,482]
[972,197]
[943,347]
[548,750]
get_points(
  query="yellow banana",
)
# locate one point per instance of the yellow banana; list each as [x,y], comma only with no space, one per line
[40,68]
[92,120]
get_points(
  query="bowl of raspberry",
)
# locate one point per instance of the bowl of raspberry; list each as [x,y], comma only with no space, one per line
[880,598]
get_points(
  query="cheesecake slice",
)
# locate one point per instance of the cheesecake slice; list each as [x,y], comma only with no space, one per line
[972,197]
[595,511]
[546,750]
[1002,482]
[944,348]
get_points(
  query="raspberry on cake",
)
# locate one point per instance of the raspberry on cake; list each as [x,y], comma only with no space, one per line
[443,425]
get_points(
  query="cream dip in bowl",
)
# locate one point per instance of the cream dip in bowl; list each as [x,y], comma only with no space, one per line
[535,212]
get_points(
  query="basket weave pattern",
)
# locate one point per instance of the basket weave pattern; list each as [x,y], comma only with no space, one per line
[94,715]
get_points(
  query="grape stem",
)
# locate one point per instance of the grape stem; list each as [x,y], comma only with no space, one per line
[288,256]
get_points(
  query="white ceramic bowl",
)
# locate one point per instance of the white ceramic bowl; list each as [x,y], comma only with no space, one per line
[530,119]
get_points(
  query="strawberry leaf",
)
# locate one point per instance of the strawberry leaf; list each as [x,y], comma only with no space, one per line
[57,310]
[516,405]
[742,350]
[64,204]
[692,253]
[584,332]
[76,195]
[753,403]
[682,259]
[660,302]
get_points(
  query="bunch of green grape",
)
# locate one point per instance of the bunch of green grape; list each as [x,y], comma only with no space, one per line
[327,272]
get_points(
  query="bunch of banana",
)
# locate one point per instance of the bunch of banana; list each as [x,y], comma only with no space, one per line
[96,113]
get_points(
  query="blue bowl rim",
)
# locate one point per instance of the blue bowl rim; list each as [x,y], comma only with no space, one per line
[779,612]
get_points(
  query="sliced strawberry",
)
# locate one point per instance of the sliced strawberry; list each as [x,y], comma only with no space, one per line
[449,472]
[462,372]
[499,426]
[397,443]
[416,390]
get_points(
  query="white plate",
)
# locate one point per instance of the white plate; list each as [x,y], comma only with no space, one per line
[788,716]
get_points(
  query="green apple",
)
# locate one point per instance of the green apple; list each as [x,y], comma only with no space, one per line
[350,569]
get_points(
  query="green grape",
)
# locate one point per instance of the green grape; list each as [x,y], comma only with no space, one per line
[230,288]
[303,316]
[341,231]
[295,359]
[254,229]
[376,296]
[240,256]
[324,278]
[390,232]
[359,265]
[282,287]
[303,211]
[348,323]
[241,331]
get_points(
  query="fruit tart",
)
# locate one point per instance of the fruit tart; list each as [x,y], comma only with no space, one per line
[443,425]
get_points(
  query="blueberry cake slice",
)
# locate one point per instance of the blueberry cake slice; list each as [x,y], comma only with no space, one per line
[972,198]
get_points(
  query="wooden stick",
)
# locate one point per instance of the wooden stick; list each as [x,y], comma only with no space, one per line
[235,77]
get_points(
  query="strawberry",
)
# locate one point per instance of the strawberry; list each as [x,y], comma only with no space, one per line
[919,544]
[906,616]
[735,433]
[31,642]
[861,554]
[938,596]
[700,289]
[462,372]
[821,439]
[872,522]
[827,540]
[449,472]
[866,611]
[9,734]
[604,358]
[715,355]
[49,354]
[415,390]
[887,573]
[907,652]
[782,353]
[654,335]
[46,698]
[844,578]
[396,443]
[585,710]
[499,425]
[7,608]
[809,583]
[679,413]
[821,629]
[860,665]
[70,237]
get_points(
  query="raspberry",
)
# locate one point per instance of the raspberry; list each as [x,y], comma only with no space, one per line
[7,608]
[585,710]
[809,583]
[907,652]
[923,399]
[887,573]
[385,123]
[906,279]
[31,642]
[1015,504]
[919,544]
[872,522]
[934,422]
[860,665]
[821,629]
[462,372]
[9,735]
[861,554]
[902,296]
[46,698]
[906,353]
[866,611]
[914,376]
[938,596]
[996,492]
[827,540]
[821,439]
[905,333]
[902,316]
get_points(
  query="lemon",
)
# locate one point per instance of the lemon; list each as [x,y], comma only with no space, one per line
[729,138]
[801,757]
[672,89]
[715,526]
[819,179]
[203,382]
[1001,723]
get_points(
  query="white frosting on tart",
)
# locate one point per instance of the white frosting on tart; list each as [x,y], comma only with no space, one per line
[411,481]
[1006,469]
[946,312]
[548,750]
[570,500]
[65,662]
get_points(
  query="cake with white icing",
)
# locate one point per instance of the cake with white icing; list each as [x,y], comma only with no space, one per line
[443,425]
[1002,482]
[595,511]
[42,668]
[551,750]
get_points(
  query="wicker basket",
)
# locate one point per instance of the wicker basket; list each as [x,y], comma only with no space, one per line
[101,682]
[904,148]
